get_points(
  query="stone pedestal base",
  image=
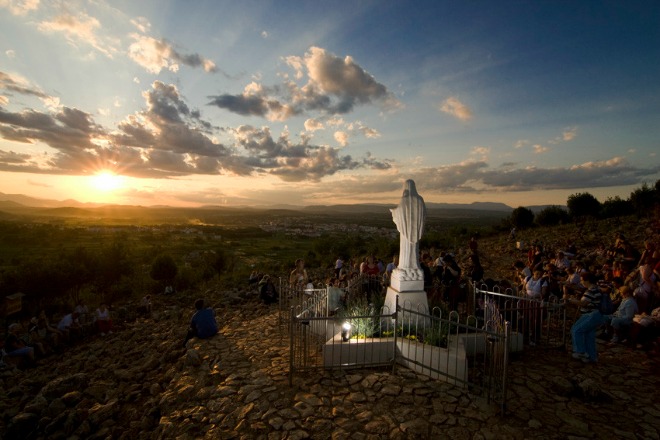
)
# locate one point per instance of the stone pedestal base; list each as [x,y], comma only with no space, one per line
[407,280]
[416,300]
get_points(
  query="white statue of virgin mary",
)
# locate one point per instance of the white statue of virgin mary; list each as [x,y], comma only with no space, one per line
[409,218]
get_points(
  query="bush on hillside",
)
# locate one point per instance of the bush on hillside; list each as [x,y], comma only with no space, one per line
[552,215]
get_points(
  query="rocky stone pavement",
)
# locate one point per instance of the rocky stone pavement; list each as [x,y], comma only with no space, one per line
[140,383]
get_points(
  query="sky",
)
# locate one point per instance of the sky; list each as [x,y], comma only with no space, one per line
[180,103]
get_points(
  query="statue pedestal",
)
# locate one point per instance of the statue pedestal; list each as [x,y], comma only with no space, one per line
[416,301]
[407,280]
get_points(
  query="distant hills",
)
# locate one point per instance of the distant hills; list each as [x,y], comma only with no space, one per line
[22,205]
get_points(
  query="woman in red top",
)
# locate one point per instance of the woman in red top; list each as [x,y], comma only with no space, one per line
[371,268]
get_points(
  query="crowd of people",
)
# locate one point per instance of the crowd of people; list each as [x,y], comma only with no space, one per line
[613,288]
[31,339]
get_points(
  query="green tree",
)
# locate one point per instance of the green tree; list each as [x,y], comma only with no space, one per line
[552,215]
[522,218]
[616,207]
[163,268]
[643,199]
[583,205]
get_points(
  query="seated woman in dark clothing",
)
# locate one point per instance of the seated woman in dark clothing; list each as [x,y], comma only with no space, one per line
[267,290]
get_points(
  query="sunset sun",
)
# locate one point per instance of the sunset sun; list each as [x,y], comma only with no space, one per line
[107,181]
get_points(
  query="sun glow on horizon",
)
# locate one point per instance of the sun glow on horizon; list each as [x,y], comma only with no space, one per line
[107,181]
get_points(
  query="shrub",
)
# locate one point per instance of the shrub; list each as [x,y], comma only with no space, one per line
[552,215]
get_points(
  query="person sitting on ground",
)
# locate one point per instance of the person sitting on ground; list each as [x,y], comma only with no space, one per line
[573,284]
[202,323]
[51,333]
[267,291]
[70,326]
[645,279]
[571,250]
[562,263]
[145,306]
[16,349]
[85,318]
[254,278]
[583,332]
[33,339]
[536,286]
[553,277]
[618,270]
[103,320]
[522,272]
[623,317]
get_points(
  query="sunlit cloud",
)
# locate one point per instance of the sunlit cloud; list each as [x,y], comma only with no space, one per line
[264,35]
[341,137]
[142,24]
[81,29]
[4,100]
[569,134]
[312,124]
[39,184]
[155,55]
[19,7]
[521,143]
[452,106]
[10,53]
[539,149]
[480,151]
[334,86]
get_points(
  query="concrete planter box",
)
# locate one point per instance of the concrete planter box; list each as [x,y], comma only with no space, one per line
[357,352]
[447,364]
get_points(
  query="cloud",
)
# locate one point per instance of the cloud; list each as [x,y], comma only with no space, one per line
[521,143]
[540,149]
[155,55]
[569,134]
[313,125]
[81,29]
[142,24]
[334,86]
[264,35]
[10,53]
[18,84]
[452,106]
[480,151]
[613,172]
[40,184]
[254,101]
[19,7]
[296,161]
[341,137]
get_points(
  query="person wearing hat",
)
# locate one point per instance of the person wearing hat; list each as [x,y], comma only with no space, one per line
[17,349]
